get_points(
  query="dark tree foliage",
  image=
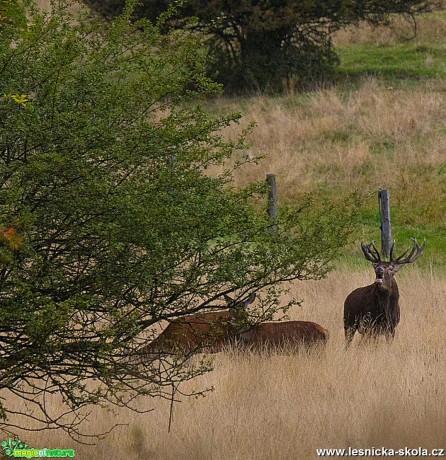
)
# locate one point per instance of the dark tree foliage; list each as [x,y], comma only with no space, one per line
[109,219]
[266,44]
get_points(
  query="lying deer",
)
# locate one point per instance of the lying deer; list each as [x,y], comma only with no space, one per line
[212,331]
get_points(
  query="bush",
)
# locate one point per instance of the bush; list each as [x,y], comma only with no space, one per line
[109,221]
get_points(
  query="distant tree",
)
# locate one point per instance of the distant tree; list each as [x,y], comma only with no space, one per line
[266,44]
[109,220]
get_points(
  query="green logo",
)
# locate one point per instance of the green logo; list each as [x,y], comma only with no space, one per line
[11,444]
[18,449]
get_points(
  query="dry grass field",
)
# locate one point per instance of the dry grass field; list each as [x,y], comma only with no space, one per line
[285,406]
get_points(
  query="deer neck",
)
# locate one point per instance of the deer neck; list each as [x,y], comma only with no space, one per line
[387,295]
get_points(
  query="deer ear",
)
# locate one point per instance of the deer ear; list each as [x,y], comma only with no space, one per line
[250,299]
[394,268]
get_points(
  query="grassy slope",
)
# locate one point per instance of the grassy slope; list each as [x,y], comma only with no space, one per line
[393,61]
[395,52]
[382,126]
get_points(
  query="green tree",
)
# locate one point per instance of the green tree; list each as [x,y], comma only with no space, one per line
[109,220]
[268,44]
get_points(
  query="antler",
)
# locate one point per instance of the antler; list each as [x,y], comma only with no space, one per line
[370,252]
[391,250]
[412,257]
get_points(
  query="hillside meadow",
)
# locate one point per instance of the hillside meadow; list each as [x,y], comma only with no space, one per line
[382,124]
[374,128]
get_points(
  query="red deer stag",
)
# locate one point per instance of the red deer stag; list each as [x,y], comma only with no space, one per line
[293,333]
[205,330]
[373,310]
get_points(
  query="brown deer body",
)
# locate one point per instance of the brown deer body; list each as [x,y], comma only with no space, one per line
[195,332]
[202,331]
[212,331]
[374,310]
[293,333]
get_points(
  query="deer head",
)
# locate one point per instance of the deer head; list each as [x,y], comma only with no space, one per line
[238,308]
[385,271]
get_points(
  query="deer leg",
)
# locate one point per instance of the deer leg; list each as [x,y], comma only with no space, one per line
[349,334]
[390,335]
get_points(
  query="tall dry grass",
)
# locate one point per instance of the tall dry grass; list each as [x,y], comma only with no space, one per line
[284,407]
[429,28]
[331,136]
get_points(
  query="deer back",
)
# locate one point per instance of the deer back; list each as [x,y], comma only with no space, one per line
[194,332]
[279,334]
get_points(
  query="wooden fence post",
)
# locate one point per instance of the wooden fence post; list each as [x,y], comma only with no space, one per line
[171,159]
[386,228]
